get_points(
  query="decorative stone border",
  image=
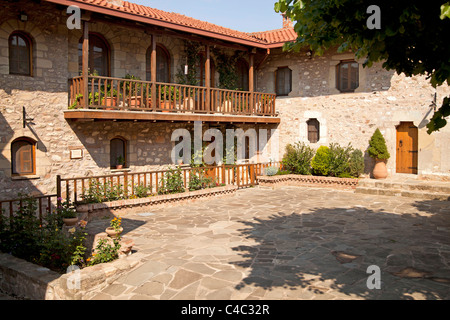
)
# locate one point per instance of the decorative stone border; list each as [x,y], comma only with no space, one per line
[300,180]
[88,210]
[30,281]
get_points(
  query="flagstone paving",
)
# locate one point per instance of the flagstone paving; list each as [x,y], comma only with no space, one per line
[289,243]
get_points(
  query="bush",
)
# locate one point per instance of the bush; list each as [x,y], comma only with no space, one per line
[377,146]
[297,158]
[172,182]
[356,163]
[25,237]
[339,159]
[321,162]
[271,171]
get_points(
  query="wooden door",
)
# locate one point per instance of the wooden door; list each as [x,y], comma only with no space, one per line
[407,148]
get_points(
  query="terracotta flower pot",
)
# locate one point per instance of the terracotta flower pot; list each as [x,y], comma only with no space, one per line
[112,233]
[380,170]
[70,221]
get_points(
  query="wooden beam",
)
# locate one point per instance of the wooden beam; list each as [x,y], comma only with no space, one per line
[208,78]
[85,62]
[153,72]
[251,80]
[165,117]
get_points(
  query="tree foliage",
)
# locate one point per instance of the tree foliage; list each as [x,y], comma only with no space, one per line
[412,40]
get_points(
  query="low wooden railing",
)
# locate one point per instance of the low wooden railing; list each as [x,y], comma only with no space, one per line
[242,175]
[137,95]
[44,204]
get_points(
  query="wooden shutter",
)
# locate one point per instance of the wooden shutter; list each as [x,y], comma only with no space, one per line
[313,130]
[347,76]
[22,159]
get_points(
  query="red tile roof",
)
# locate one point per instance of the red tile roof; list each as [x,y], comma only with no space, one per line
[260,39]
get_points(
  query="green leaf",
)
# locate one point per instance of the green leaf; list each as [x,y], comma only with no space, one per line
[445,11]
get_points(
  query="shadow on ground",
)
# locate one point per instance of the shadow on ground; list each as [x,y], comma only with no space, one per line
[324,248]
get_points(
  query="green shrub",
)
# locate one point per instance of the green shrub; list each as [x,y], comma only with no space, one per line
[271,171]
[282,172]
[339,159]
[356,163]
[172,182]
[377,146]
[321,162]
[297,158]
[141,191]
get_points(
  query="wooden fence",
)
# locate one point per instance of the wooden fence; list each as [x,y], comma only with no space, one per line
[73,189]
[44,204]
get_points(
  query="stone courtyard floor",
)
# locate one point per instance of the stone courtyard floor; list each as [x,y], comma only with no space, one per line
[289,243]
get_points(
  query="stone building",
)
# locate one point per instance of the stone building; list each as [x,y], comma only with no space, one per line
[56,116]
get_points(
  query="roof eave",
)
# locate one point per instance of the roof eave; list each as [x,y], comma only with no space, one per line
[156,22]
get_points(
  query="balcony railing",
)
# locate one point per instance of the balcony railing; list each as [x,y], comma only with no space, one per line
[107,93]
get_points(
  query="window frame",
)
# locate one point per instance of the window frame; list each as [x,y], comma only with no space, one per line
[125,153]
[29,42]
[276,81]
[349,79]
[309,132]
[32,143]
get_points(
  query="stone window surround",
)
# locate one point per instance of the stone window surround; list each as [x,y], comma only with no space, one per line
[337,59]
[303,128]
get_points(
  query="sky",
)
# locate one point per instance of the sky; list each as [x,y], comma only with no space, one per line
[241,15]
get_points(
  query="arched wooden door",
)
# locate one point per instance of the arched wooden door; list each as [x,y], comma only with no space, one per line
[407,148]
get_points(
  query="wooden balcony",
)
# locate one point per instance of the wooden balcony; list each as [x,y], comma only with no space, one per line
[106,98]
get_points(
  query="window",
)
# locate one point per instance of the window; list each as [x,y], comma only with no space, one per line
[347,76]
[99,55]
[242,74]
[313,130]
[283,81]
[118,154]
[23,157]
[20,57]
[162,64]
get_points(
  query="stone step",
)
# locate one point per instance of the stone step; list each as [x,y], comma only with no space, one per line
[404,193]
[418,185]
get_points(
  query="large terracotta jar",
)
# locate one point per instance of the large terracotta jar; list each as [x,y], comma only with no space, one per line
[380,169]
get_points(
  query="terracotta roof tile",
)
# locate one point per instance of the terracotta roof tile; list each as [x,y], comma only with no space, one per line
[267,37]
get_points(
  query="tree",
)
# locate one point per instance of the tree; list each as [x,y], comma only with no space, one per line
[412,39]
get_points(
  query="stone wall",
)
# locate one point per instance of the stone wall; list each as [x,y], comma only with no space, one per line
[45,97]
[383,100]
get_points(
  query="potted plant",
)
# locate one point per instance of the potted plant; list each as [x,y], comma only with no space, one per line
[168,96]
[378,150]
[120,162]
[115,229]
[68,213]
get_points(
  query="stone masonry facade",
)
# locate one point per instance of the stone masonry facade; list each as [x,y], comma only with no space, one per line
[383,100]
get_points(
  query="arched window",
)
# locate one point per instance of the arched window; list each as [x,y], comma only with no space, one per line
[162,64]
[23,157]
[242,74]
[118,152]
[313,130]
[99,55]
[283,81]
[347,76]
[20,54]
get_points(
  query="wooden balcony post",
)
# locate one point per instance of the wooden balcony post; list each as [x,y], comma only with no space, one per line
[153,72]
[251,88]
[208,79]
[85,64]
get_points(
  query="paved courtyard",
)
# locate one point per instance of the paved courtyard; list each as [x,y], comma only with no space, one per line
[289,243]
